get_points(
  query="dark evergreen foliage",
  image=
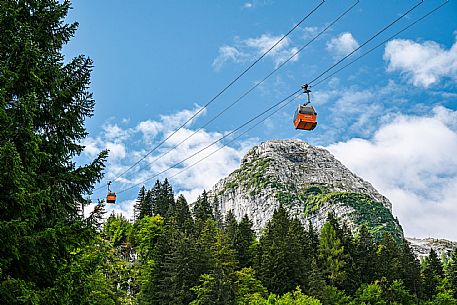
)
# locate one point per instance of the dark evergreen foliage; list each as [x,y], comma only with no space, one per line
[281,254]
[202,209]
[435,263]
[43,104]
[241,238]
[364,256]
[432,274]
[230,227]
[332,256]
[156,201]
[163,197]
[140,207]
[410,269]
[179,214]
[176,270]
[451,272]
[388,259]
[245,242]
[217,265]
[312,238]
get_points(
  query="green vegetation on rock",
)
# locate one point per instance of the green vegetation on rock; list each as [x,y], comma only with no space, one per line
[366,211]
[288,194]
[251,176]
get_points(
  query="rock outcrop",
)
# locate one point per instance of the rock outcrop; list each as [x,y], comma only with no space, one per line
[421,247]
[309,182]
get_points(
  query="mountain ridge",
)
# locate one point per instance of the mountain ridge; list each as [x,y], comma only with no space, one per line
[422,246]
[309,181]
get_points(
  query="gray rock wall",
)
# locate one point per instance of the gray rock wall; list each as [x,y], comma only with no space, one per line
[280,171]
[421,247]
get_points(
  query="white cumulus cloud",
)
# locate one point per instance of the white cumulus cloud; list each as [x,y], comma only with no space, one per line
[248,5]
[251,48]
[413,161]
[265,42]
[142,141]
[423,64]
[310,31]
[227,53]
[116,150]
[175,120]
[150,129]
[343,44]
[115,133]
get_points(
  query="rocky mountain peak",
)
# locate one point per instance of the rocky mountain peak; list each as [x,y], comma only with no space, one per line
[308,181]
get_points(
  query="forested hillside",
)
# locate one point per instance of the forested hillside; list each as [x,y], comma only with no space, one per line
[170,253]
[195,257]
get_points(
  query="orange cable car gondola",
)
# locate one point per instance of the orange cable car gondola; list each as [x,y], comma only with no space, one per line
[111,196]
[305,116]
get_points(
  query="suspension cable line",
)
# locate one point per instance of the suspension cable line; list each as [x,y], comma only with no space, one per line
[238,136]
[257,83]
[345,66]
[250,90]
[291,95]
[366,42]
[382,43]
[316,78]
[213,143]
[220,92]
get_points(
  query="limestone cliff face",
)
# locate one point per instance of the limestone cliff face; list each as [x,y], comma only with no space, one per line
[308,181]
[421,247]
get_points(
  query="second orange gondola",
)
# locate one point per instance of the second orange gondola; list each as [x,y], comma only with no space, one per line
[111,196]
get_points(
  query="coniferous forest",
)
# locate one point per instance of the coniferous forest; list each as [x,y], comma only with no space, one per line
[173,252]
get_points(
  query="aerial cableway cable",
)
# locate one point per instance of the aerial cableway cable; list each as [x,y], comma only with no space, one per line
[282,64]
[366,42]
[284,105]
[238,136]
[213,143]
[382,43]
[256,85]
[270,108]
[220,92]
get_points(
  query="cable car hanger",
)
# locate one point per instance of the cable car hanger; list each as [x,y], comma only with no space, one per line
[307,90]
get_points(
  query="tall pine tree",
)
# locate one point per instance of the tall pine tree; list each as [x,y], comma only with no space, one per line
[244,242]
[410,268]
[176,268]
[217,284]
[43,104]
[280,261]
[451,272]
[230,227]
[202,209]
[163,199]
[364,257]
[432,274]
[179,213]
[389,259]
[140,208]
[332,256]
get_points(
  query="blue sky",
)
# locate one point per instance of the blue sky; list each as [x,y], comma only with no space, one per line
[390,117]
